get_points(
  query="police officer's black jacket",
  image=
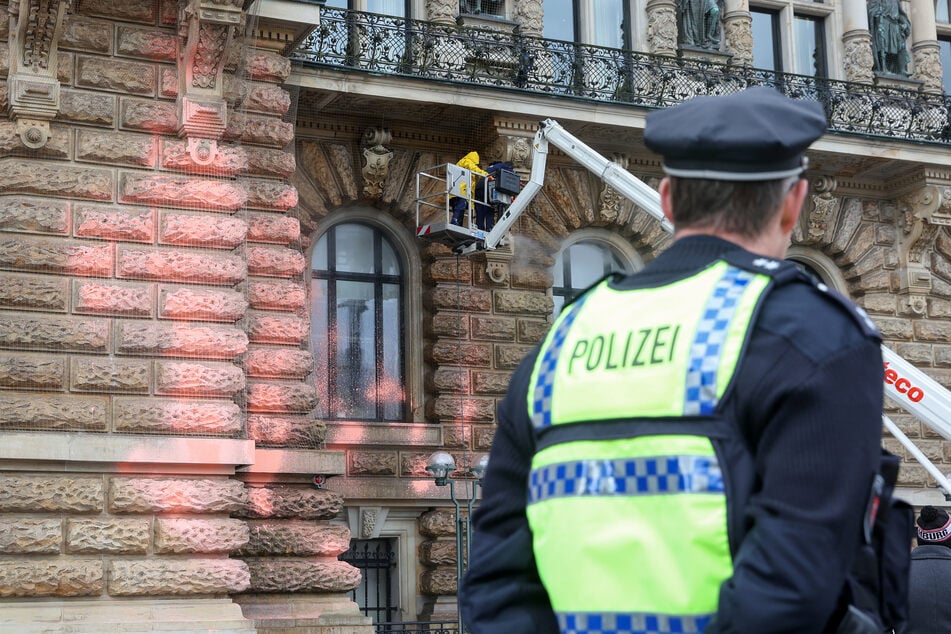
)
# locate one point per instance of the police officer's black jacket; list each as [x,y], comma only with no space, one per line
[808,399]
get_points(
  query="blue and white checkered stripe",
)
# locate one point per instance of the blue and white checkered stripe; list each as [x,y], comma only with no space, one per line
[541,399]
[654,475]
[635,623]
[701,393]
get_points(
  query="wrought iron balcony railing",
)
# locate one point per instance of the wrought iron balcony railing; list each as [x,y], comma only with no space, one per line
[424,50]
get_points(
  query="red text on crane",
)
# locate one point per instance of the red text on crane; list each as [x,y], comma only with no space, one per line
[903,385]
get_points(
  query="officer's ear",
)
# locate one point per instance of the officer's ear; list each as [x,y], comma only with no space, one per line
[665,201]
[792,205]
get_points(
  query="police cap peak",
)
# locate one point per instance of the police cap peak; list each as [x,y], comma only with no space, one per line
[754,135]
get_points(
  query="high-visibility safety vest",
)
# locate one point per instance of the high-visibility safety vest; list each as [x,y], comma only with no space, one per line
[628,489]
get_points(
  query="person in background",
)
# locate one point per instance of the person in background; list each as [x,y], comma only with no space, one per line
[694,447]
[929,591]
[460,204]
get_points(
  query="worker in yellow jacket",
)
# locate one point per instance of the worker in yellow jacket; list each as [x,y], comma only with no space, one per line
[458,203]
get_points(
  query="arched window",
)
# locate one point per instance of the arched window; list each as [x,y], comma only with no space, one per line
[819,265]
[586,257]
[358,324]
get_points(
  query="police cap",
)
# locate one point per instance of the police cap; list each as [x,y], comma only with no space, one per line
[754,135]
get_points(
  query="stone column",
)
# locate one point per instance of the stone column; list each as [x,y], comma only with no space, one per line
[925,52]
[738,31]
[857,42]
[529,16]
[662,27]
[442,11]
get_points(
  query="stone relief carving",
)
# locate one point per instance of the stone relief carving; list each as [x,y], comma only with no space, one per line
[529,15]
[662,27]
[376,157]
[928,67]
[738,33]
[34,90]
[442,11]
[207,28]
[822,215]
[857,58]
[924,212]
[610,199]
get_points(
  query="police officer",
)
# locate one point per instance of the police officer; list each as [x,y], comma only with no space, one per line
[691,448]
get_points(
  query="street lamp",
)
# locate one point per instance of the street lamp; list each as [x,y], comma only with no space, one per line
[440,465]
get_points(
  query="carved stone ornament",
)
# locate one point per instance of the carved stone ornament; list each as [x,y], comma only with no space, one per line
[442,11]
[207,28]
[924,212]
[857,57]
[610,199]
[738,33]
[824,210]
[928,67]
[497,266]
[511,149]
[35,27]
[529,15]
[376,156]
[662,27]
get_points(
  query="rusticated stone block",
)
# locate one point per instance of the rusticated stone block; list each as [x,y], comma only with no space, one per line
[932,331]
[301,539]
[55,255]
[178,536]
[268,98]
[51,578]
[457,433]
[177,577]
[532,278]
[205,304]
[54,179]
[161,416]
[450,270]
[30,536]
[482,437]
[301,575]
[147,43]
[267,66]
[184,266]
[291,502]
[372,463]
[276,262]
[221,232]
[227,161]
[198,379]
[465,354]
[259,130]
[451,298]
[438,581]
[449,324]
[894,328]
[107,374]
[180,191]
[127,11]
[82,106]
[454,408]
[33,214]
[287,431]
[493,328]
[110,74]
[33,291]
[508,357]
[437,524]
[86,35]
[279,362]
[449,379]
[148,115]
[522,302]
[51,494]
[129,224]
[277,295]
[32,371]
[490,382]
[274,228]
[437,553]
[117,148]
[281,397]
[285,329]
[210,342]
[107,298]
[162,495]
[112,535]
[414,465]
[273,195]
[57,146]
[24,330]
[532,331]
[53,413]
[270,162]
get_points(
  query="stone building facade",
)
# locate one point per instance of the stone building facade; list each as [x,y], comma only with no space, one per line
[172,173]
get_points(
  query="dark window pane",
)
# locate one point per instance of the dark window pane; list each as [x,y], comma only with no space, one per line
[944,47]
[559,20]
[580,265]
[354,246]
[319,330]
[765,45]
[391,381]
[587,264]
[941,13]
[387,7]
[356,371]
[810,53]
[391,265]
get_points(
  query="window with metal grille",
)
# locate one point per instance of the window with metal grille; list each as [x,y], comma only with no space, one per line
[378,593]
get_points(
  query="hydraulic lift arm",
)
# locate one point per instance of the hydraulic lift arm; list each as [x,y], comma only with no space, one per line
[908,386]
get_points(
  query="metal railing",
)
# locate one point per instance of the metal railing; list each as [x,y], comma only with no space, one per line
[425,50]
[419,627]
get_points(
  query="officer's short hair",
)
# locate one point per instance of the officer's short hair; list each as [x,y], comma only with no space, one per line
[739,207]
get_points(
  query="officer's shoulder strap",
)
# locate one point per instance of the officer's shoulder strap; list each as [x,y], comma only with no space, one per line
[787,272]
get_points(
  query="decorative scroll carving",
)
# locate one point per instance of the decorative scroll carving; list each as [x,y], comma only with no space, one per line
[924,213]
[738,33]
[441,11]
[823,212]
[662,27]
[516,150]
[207,28]
[377,157]
[35,26]
[528,16]
[857,57]
[928,67]
[610,198]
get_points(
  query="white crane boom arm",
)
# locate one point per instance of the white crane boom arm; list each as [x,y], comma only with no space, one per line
[908,386]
